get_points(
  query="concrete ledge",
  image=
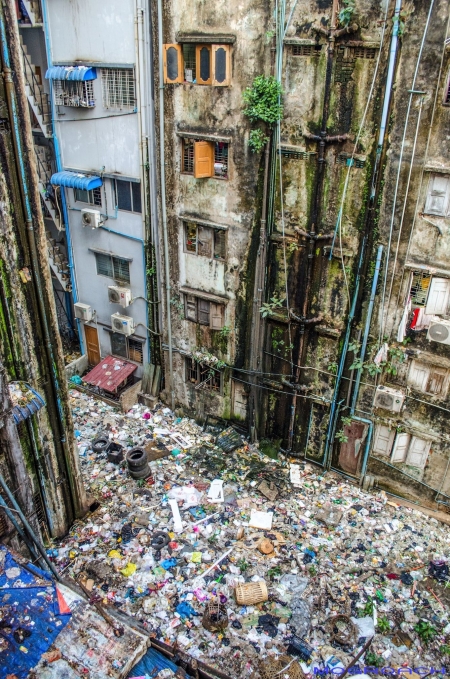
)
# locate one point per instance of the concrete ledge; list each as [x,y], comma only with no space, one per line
[77,367]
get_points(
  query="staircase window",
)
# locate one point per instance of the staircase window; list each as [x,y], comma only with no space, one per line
[93,197]
[74,93]
[118,88]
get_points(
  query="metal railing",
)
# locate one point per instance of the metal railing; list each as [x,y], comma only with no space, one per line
[40,97]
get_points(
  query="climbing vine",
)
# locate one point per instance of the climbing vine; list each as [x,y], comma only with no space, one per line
[262,103]
[257,140]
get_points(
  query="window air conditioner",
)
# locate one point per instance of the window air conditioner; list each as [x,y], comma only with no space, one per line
[389,399]
[118,295]
[122,324]
[83,312]
[439,331]
[91,218]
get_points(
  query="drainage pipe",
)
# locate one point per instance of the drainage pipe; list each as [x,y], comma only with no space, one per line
[367,327]
[367,446]
[27,527]
[162,168]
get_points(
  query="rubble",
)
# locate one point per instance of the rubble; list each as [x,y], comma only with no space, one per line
[326,567]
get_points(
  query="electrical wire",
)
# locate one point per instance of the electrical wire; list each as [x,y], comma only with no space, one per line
[83,120]
[397,182]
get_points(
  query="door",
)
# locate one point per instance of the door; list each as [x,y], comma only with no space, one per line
[401,446]
[350,451]
[384,438]
[437,301]
[92,345]
[418,452]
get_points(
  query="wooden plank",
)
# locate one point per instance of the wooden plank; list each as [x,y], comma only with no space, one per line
[156,381]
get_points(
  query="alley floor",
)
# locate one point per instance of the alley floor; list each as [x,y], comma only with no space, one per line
[264,554]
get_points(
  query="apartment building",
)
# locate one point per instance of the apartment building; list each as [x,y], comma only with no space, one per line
[300,290]
[85,67]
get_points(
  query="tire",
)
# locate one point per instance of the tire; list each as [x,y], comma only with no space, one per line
[100,444]
[115,453]
[136,458]
[140,473]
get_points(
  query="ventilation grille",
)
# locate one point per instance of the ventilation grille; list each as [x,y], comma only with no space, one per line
[296,155]
[364,52]
[306,50]
[346,159]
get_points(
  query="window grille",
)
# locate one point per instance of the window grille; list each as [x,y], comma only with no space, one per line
[306,50]
[346,159]
[74,93]
[118,88]
[419,287]
[221,159]
[191,369]
[188,156]
[113,267]
[190,242]
[189,62]
[202,375]
[296,155]
[135,350]
[92,197]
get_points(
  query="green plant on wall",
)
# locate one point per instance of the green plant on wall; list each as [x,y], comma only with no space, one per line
[347,12]
[257,140]
[269,307]
[262,100]
[341,437]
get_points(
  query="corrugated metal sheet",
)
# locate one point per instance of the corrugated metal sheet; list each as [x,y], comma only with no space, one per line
[76,180]
[71,73]
[110,373]
[26,406]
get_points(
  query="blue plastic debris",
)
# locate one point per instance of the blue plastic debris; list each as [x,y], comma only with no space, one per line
[168,563]
[185,610]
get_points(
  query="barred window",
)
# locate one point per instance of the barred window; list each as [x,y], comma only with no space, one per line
[204,240]
[306,50]
[113,267]
[74,93]
[205,158]
[419,287]
[93,197]
[118,88]
[188,156]
[127,347]
[203,376]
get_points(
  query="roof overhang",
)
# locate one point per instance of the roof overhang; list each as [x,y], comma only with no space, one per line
[71,73]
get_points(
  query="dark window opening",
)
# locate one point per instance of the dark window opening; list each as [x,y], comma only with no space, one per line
[128,196]
[221,159]
[188,156]
[306,50]
[113,267]
[204,240]
[203,376]
[419,287]
[127,347]
[205,63]
[93,197]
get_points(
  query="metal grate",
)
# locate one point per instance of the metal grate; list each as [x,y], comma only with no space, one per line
[189,63]
[209,378]
[74,93]
[364,52]
[306,50]
[188,156]
[419,287]
[296,155]
[346,159]
[135,350]
[221,159]
[118,88]
[92,197]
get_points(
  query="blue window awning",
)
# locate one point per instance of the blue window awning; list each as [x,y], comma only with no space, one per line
[71,73]
[76,180]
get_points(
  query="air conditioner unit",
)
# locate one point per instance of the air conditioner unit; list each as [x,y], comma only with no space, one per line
[83,311]
[439,331]
[91,218]
[122,324]
[118,295]
[389,399]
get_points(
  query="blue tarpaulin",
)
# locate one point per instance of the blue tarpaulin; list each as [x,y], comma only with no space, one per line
[152,663]
[76,180]
[30,615]
[26,401]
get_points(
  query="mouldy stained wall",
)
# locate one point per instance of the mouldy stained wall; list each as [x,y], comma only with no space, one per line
[415,243]
[213,111]
[304,92]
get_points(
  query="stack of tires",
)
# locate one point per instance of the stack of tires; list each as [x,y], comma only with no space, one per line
[138,464]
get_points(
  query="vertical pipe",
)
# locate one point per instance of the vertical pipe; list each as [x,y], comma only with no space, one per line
[367,326]
[390,73]
[12,518]
[162,163]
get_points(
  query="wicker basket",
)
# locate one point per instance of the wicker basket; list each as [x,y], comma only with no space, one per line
[283,667]
[342,630]
[215,617]
[251,593]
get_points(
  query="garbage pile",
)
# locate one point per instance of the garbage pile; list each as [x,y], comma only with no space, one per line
[259,567]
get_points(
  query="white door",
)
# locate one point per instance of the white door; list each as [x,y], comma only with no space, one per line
[418,375]
[384,438]
[400,448]
[438,195]
[418,452]
[437,301]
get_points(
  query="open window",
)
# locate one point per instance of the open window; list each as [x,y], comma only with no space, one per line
[203,376]
[438,195]
[401,447]
[205,312]
[199,64]
[430,292]
[204,240]
[203,158]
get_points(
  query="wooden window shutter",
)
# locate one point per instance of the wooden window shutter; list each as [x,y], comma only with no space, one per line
[401,446]
[203,311]
[191,308]
[173,64]
[438,195]
[418,452]
[418,375]
[216,316]
[437,381]
[384,438]
[203,64]
[203,159]
[438,295]
[205,241]
[221,57]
